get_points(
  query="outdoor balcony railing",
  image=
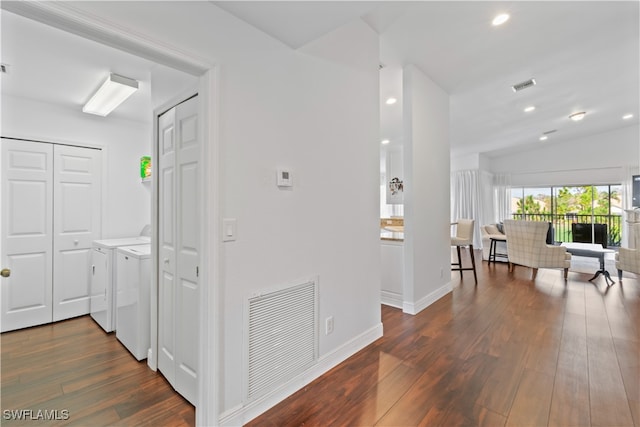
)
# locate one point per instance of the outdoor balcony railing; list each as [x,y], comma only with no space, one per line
[562,225]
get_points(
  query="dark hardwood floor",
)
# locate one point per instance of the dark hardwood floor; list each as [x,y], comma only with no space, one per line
[86,376]
[507,352]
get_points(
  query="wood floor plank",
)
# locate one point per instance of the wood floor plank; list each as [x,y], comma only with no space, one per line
[570,403]
[500,390]
[420,397]
[371,406]
[533,400]
[608,398]
[459,392]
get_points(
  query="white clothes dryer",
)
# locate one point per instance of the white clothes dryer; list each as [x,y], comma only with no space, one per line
[103,260]
[133,283]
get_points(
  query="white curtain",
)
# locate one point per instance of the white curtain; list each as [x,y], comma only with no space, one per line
[467,200]
[627,193]
[502,197]
[482,196]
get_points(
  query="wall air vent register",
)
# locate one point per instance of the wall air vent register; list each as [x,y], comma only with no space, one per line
[282,336]
[523,85]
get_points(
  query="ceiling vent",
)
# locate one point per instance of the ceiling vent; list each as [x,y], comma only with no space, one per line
[550,131]
[523,85]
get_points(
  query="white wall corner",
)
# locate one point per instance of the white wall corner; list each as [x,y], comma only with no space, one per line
[424,302]
[392,299]
[242,414]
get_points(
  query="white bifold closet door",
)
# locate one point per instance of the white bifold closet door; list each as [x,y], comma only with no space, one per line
[76,224]
[50,215]
[178,247]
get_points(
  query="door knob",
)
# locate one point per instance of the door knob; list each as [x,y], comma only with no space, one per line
[5,272]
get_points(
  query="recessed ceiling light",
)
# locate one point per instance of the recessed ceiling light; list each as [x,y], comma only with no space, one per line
[391,101]
[529,109]
[544,138]
[577,116]
[500,19]
[627,116]
[385,142]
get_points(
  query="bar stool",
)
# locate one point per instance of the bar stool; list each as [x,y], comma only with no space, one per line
[464,237]
[492,248]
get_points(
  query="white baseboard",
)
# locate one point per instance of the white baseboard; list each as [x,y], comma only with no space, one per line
[151,361]
[392,299]
[242,414]
[422,303]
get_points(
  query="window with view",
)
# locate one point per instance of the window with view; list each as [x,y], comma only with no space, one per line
[590,213]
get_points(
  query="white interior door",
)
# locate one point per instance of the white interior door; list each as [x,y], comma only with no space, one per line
[179,245]
[26,233]
[166,245]
[188,256]
[77,195]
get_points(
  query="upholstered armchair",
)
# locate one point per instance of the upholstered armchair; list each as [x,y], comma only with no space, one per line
[527,246]
[628,259]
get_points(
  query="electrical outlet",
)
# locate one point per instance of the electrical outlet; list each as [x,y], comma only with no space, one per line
[328,325]
[441,272]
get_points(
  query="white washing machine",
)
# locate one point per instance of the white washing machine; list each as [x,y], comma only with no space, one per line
[103,260]
[133,282]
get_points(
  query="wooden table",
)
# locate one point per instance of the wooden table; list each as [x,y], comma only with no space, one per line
[591,251]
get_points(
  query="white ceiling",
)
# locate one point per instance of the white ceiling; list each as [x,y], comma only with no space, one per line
[53,66]
[583,54]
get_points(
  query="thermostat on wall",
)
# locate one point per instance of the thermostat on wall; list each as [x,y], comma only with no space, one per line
[284,178]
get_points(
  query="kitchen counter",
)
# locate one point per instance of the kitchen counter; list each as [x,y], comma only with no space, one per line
[393,236]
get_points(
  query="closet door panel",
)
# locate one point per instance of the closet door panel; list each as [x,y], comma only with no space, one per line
[179,243]
[188,239]
[77,197]
[27,234]
[166,246]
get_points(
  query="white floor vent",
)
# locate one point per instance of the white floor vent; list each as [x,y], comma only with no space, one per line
[282,336]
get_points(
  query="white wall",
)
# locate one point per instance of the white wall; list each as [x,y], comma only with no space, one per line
[316,116]
[596,159]
[427,270]
[127,201]
[466,162]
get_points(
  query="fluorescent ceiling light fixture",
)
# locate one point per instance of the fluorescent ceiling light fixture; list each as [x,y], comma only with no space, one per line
[391,101]
[627,116]
[529,109]
[111,94]
[385,142]
[544,138]
[577,116]
[500,19]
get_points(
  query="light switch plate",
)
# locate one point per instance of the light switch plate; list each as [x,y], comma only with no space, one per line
[229,229]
